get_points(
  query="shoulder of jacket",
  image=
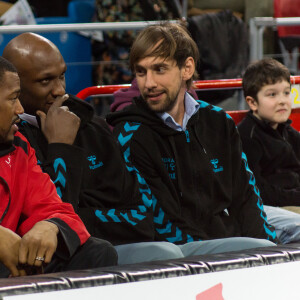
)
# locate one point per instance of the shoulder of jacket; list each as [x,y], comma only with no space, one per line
[126,131]
[20,142]
[292,130]
[207,107]
[213,114]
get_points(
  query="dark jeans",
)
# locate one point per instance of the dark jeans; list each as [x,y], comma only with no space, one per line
[94,253]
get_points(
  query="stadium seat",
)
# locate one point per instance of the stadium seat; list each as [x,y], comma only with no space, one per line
[75,48]
[81,11]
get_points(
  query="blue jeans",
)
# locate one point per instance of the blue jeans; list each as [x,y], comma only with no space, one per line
[286,223]
[151,251]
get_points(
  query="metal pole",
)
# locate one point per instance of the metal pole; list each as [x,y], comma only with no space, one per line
[253,40]
[102,26]
[257,26]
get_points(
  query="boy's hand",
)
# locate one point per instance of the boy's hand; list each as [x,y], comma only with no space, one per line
[59,125]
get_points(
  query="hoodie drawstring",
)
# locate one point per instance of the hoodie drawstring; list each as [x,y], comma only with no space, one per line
[187,135]
[198,139]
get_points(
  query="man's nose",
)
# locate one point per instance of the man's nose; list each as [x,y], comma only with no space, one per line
[59,87]
[19,108]
[150,80]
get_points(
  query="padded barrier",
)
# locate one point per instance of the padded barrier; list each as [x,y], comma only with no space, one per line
[216,84]
[150,271]
[238,116]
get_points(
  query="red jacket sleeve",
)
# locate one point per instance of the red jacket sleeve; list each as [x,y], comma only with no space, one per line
[43,203]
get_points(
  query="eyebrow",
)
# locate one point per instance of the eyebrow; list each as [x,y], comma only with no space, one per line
[50,74]
[18,91]
[154,66]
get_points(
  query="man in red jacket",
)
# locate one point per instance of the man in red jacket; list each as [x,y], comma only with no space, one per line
[38,232]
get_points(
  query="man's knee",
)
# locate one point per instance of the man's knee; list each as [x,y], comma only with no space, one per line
[147,251]
[243,243]
[167,250]
[98,253]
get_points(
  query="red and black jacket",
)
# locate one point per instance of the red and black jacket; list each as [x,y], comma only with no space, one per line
[29,196]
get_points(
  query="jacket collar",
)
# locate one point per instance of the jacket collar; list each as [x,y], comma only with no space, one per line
[266,125]
[5,149]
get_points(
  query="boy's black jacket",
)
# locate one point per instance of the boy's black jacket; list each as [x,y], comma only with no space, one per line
[274,158]
[91,175]
[200,178]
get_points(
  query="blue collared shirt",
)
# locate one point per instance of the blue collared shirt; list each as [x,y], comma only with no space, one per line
[191,107]
[30,119]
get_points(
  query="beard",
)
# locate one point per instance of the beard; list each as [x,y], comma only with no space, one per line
[7,135]
[164,105]
[5,141]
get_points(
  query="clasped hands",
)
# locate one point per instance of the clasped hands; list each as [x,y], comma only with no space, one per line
[23,255]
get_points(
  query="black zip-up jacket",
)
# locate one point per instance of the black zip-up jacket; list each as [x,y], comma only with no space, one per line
[200,177]
[91,175]
[274,158]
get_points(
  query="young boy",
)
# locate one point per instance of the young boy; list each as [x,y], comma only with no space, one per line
[270,143]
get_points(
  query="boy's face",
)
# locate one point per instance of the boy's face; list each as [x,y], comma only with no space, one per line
[273,103]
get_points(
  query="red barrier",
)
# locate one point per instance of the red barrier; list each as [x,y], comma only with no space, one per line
[200,85]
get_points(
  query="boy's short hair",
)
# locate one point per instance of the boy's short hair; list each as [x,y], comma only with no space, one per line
[173,42]
[263,72]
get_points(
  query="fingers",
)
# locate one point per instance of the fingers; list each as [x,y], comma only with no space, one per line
[22,272]
[65,108]
[48,255]
[33,256]
[38,245]
[14,272]
[42,116]
[23,254]
[59,101]
[39,257]
[28,252]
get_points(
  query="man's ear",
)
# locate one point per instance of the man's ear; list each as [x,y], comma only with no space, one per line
[252,103]
[188,69]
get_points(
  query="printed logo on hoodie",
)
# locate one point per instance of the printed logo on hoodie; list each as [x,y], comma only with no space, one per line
[94,163]
[170,166]
[215,163]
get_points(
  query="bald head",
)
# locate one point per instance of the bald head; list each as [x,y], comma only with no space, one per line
[41,68]
[28,47]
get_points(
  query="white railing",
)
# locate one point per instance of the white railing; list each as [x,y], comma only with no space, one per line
[105,26]
[257,27]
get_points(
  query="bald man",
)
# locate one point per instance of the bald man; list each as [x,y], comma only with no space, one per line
[39,233]
[78,151]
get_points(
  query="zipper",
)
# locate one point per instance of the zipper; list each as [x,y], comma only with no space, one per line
[9,198]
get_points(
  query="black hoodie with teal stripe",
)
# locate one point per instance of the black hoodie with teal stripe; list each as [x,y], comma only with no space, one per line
[200,180]
[91,175]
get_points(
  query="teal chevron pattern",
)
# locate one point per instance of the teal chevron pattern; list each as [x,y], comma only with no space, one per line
[259,203]
[163,226]
[60,175]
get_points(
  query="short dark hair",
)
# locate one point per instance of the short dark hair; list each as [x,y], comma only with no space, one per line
[263,72]
[173,41]
[6,66]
